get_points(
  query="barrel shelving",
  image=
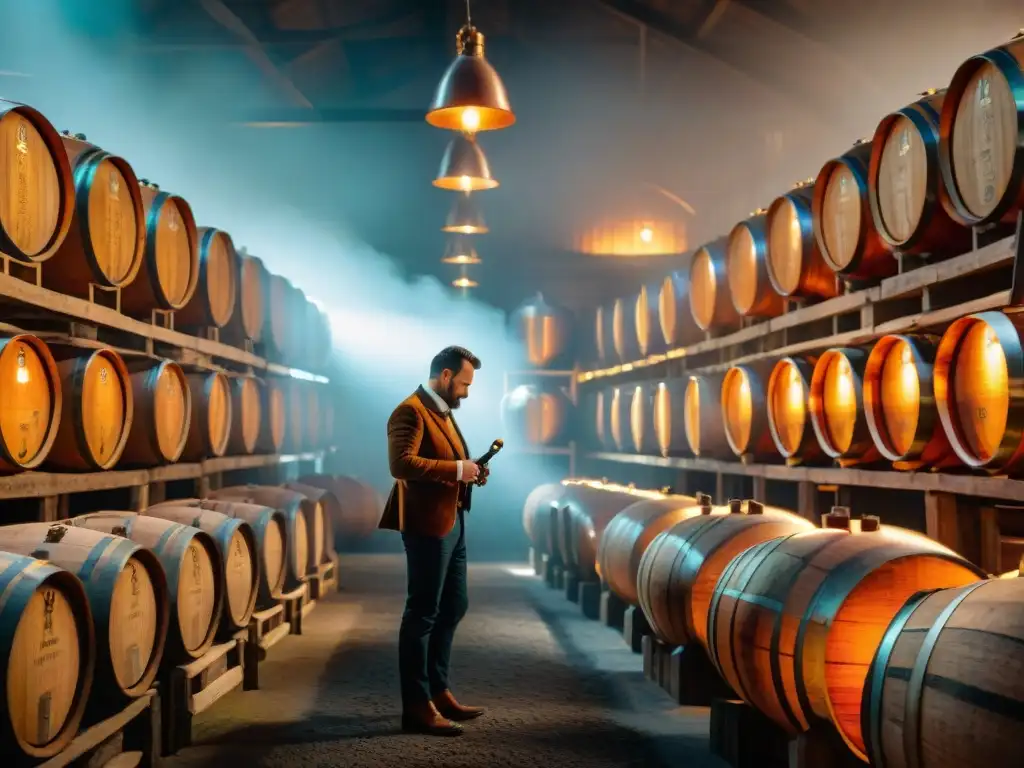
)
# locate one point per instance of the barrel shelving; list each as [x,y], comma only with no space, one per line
[566,448]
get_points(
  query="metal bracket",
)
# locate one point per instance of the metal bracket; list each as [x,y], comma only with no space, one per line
[1017,286]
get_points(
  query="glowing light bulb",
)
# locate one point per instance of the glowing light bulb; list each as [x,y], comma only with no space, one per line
[22,376]
[466,183]
[646,234]
[470,119]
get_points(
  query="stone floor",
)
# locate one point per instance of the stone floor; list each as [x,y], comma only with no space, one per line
[561,690]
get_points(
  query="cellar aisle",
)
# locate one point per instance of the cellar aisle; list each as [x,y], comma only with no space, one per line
[561,690]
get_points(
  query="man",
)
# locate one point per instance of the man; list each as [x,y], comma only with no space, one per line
[432,492]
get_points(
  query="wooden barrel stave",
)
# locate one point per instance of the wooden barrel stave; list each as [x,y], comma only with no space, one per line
[536,510]
[295,420]
[702,409]
[836,405]
[624,331]
[534,416]
[211,415]
[213,303]
[161,412]
[641,438]
[544,330]
[674,317]
[789,388]
[32,414]
[710,303]
[668,414]
[750,289]
[331,510]
[745,413]
[128,600]
[312,433]
[361,506]
[647,320]
[273,423]
[795,264]
[248,317]
[246,415]
[97,408]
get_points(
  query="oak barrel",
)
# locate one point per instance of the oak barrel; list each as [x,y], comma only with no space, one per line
[981,153]
[675,319]
[544,331]
[128,600]
[628,536]
[624,329]
[295,419]
[31,412]
[361,506]
[642,438]
[647,322]
[750,289]
[677,574]
[273,410]
[710,303]
[247,319]
[537,510]
[319,342]
[702,415]
[794,622]
[745,413]
[97,407]
[535,416]
[899,403]
[162,412]
[836,404]
[331,510]
[288,502]
[841,216]
[169,272]
[312,438]
[945,687]
[795,264]
[213,303]
[107,238]
[905,189]
[277,316]
[193,566]
[616,425]
[240,556]
[49,646]
[603,417]
[978,373]
[37,191]
[211,419]
[789,388]
[246,415]
[669,416]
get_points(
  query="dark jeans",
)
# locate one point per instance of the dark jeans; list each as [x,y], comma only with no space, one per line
[437,601]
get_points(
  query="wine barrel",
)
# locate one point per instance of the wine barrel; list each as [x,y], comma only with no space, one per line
[980,151]
[624,329]
[37,193]
[668,412]
[537,510]
[628,536]
[288,502]
[240,556]
[247,318]
[649,338]
[162,412]
[789,388]
[905,190]
[127,592]
[794,622]
[750,290]
[795,264]
[899,403]
[361,506]
[979,367]
[246,415]
[710,303]
[642,437]
[273,424]
[213,303]
[50,650]
[277,316]
[836,403]
[544,330]
[677,574]
[295,418]
[97,407]
[617,405]
[169,272]
[702,417]
[320,342]
[535,416]
[331,510]
[745,414]
[194,574]
[269,530]
[945,684]
[31,413]
[310,393]
[107,238]
[674,317]
[841,216]
[210,427]
[298,341]
[603,418]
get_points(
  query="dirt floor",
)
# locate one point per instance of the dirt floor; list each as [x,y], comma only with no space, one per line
[561,691]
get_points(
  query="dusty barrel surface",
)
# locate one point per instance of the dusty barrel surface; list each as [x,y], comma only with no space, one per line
[795,263]
[745,413]
[750,288]
[96,410]
[128,601]
[32,408]
[37,189]
[669,415]
[213,303]
[545,330]
[710,303]
[239,556]
[702,409]
[679,569]
[361,506]
[537,510]
[899,402]
[841,214]
[674,317]
[49,647]
[169,272]
[934,696]
[193,567]
[905,189]
[246,415]
[628,536]
[538,417]
[836,404]
[211,415]
[273,424]
[162,412]
[795,621]
[980,150]
[247,319]
[789,388]
[978,375]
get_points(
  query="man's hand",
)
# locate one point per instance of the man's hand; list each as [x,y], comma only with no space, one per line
[470,471]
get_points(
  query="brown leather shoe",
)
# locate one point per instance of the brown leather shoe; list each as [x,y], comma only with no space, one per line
[425,719]
[448,706]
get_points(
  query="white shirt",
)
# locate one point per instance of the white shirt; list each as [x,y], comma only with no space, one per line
[445,410]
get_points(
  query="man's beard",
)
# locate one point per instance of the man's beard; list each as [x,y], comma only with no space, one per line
[449,397]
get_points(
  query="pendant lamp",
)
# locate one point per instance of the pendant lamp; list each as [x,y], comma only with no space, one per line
[464,167]
[460,251]
[464,282]
[465,217]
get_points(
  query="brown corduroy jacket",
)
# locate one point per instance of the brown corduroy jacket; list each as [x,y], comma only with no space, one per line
[422,452]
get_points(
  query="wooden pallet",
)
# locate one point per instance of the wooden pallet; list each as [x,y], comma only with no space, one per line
[324,581]
[129,738]
[190,689]
[266,629]
[295,610]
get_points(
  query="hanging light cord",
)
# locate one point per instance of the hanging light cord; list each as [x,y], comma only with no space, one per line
[469,18]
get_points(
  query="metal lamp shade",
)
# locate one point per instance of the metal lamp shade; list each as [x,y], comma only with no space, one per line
[459,251]
[464,167]
[465,217]
[471,96]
